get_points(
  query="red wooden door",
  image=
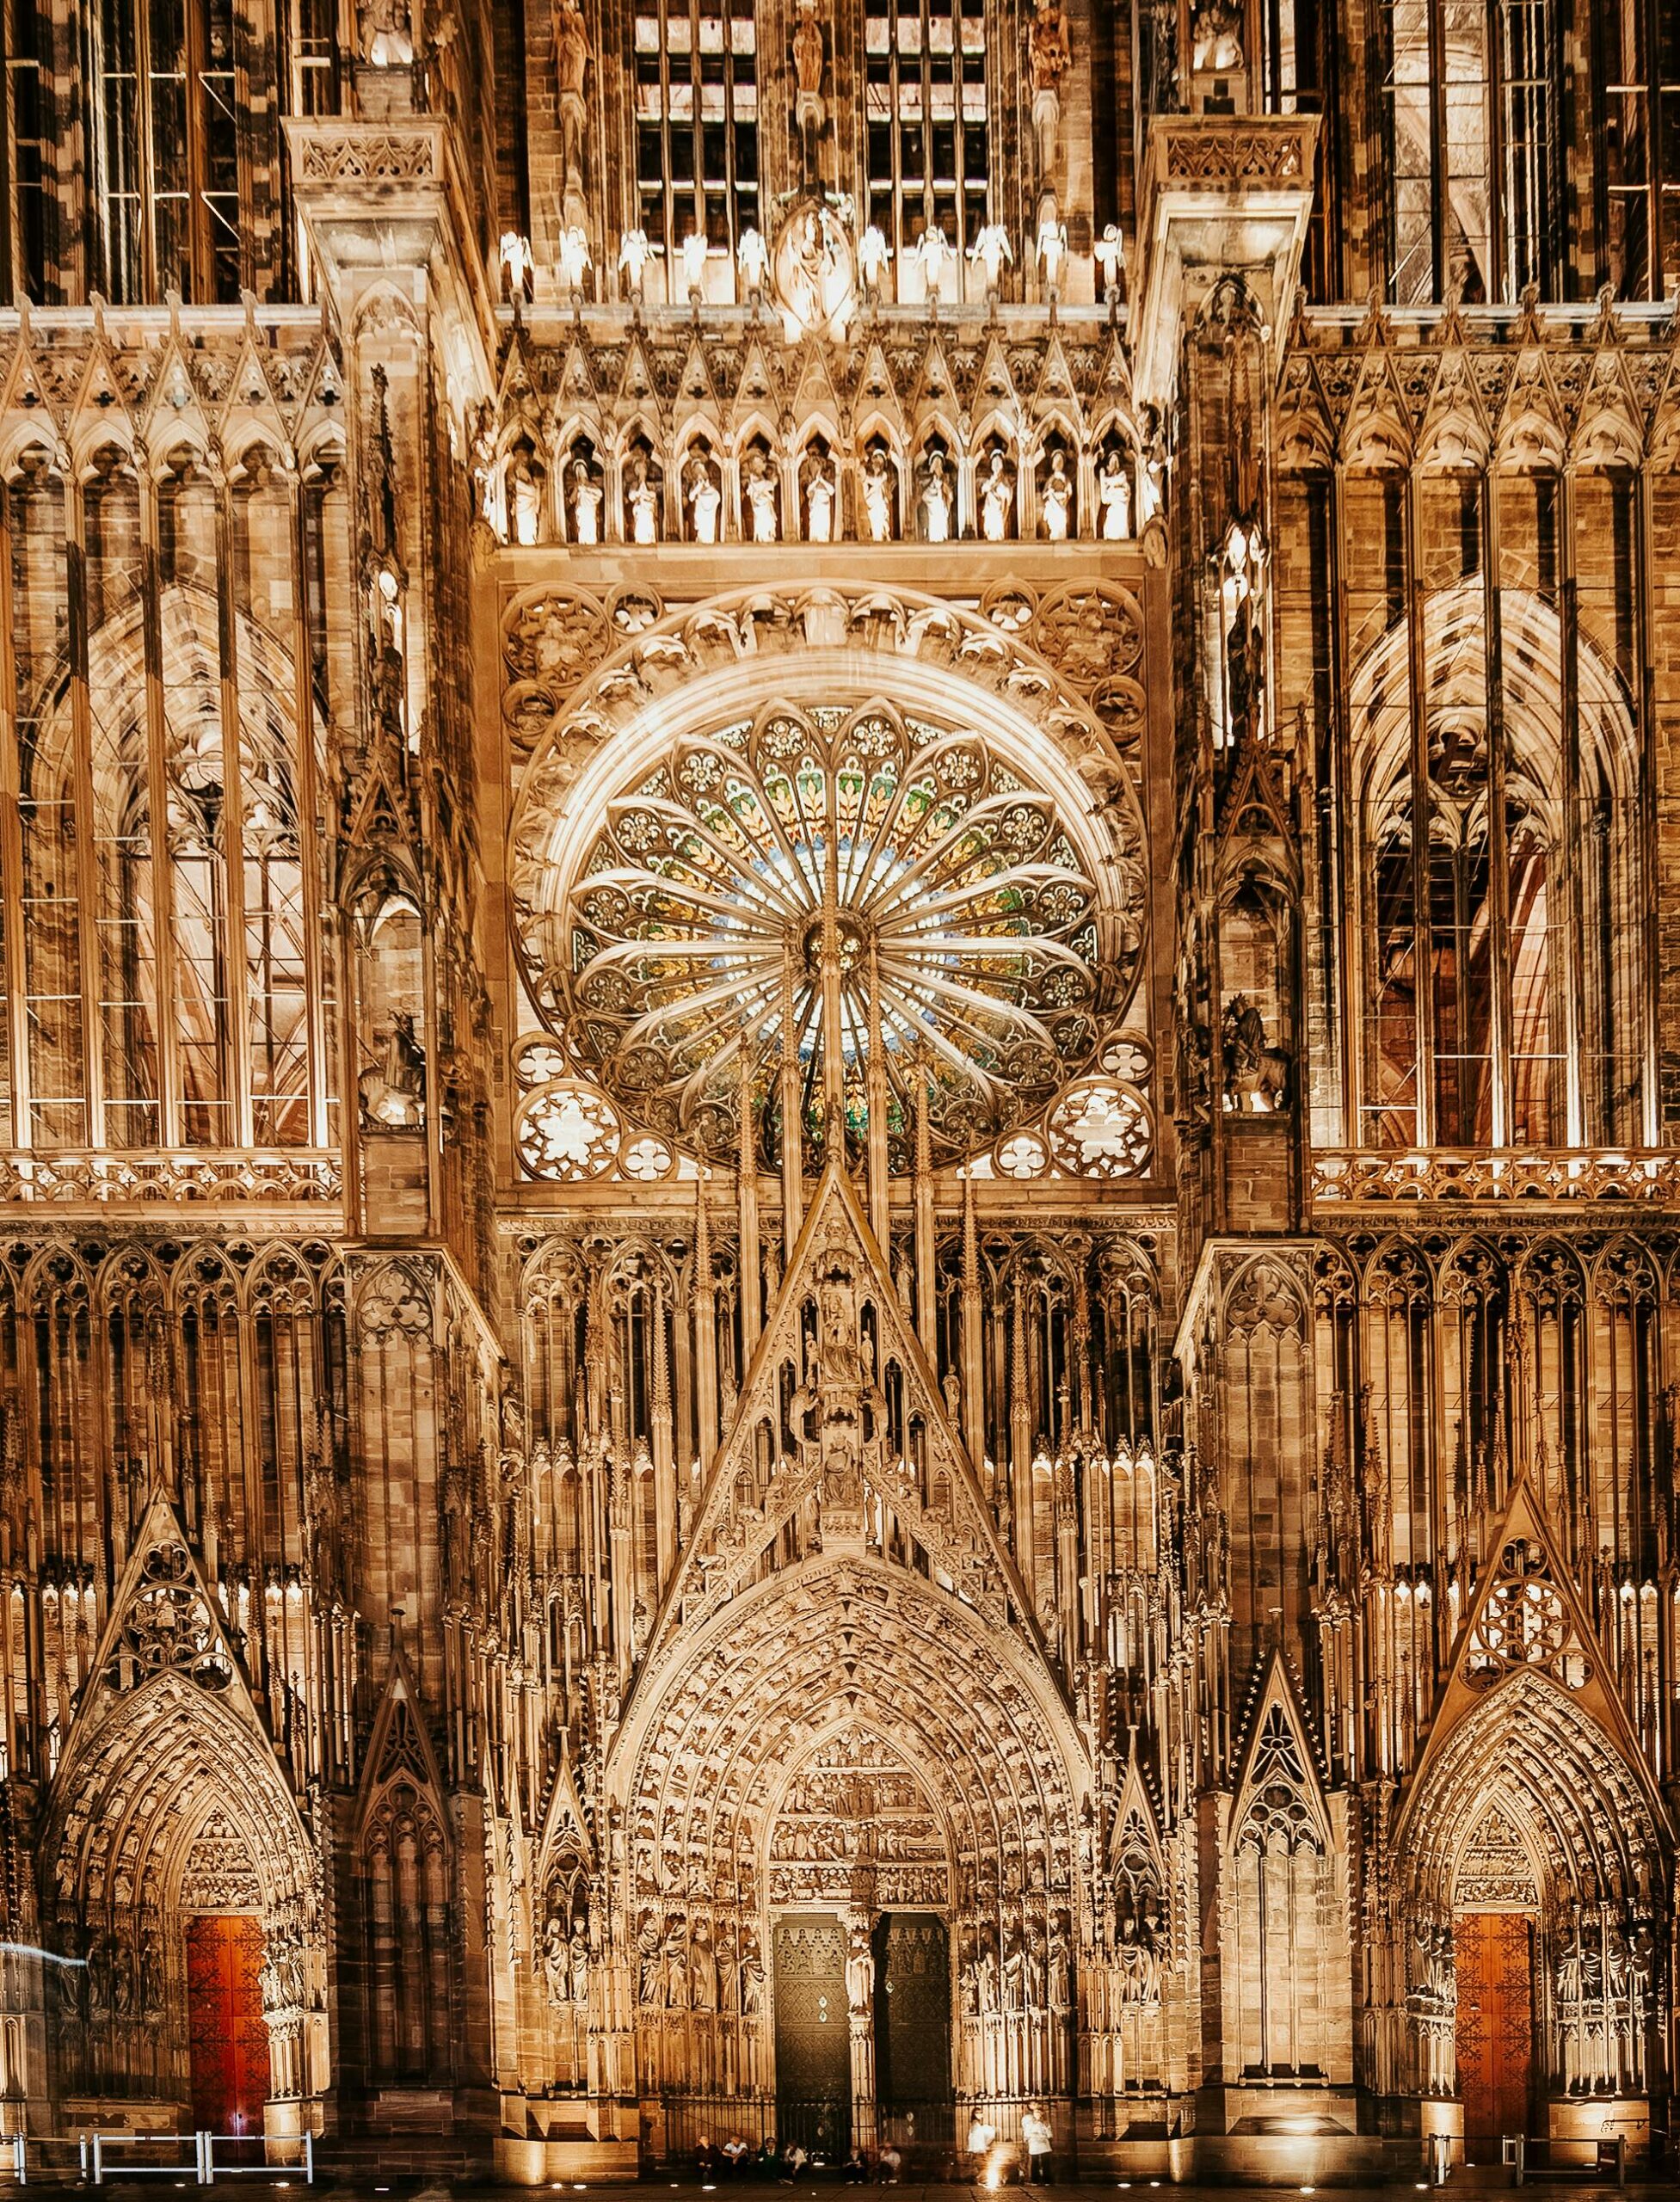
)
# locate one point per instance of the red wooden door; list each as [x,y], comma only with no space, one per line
[1495,2024]
[229,2043]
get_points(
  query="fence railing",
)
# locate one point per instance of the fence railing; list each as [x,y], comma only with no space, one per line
[201,2157]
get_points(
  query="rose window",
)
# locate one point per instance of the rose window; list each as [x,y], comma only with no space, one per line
[939,893]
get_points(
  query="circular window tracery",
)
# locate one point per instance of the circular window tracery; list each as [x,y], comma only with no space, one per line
[691,925]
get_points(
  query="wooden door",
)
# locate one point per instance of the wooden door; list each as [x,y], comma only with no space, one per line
[229,2041]
[1493,1950]
[813,2038]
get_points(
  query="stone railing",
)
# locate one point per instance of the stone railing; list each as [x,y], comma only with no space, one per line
[270,1177]
[1351,1174]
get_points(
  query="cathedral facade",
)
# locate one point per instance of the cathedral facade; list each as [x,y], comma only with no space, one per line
[839,1075]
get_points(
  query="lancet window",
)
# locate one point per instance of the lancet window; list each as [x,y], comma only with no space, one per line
[1472,118]
[164,156]
[1491,1018]
[23,150]
[924,110]
[159,919]
[697,122]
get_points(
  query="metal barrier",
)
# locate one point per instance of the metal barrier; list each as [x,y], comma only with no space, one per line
[213,2156]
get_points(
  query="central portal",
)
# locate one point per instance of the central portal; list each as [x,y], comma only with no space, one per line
[813,2041]
[1495,2024]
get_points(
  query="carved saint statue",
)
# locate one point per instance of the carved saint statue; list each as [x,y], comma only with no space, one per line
[525,496]
[760,489]
[1058,498]
[557,1959]
[387,34]
[938,500]
[859,1970]
[878,492]
[1114,494]
[585,502]
[706,501]
[1215,36]
[807,51]
[641,501]
[821,489]
[577,1954]
[997,497]
[1048,57]
[393,1093]
[571,69]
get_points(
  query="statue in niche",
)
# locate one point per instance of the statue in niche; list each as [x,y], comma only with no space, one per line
[557,1957]
[1050,55]
[1256,1076]
[1215,37]
[392,1094]
[387,34]
[585,503]
[879,490]
[937,503]
[525,496]
[1137,1961]
[821,490]
[577,1952]
[996,498]
[1058,498]
[1114,494]
[705,500]
[758,487]
[838,1408]
[641,501]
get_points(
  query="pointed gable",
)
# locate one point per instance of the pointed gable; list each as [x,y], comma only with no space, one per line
[1280,1800]
[1526,1619]
[837,1339]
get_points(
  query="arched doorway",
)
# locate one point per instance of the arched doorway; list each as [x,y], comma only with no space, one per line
[1536,1898]
[846,1792]
[183,1878]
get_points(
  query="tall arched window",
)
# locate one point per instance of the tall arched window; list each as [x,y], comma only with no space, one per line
[163,150]
[1471,100]
[161,909]
[1491,1019]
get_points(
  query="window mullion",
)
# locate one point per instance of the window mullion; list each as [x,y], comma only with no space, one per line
[1438,164]
[157,809]
[11,846]
[1498,861]
[1423,945]
[237,991]
[86,857]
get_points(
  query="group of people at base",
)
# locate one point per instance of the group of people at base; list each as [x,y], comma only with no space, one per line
[984,2158]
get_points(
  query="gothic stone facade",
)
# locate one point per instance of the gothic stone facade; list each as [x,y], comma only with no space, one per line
[839,974]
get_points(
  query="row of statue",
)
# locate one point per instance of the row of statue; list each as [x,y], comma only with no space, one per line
[935,509]
[681,1968]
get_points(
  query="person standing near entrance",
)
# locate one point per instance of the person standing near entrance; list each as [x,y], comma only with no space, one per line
[1036,2132]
